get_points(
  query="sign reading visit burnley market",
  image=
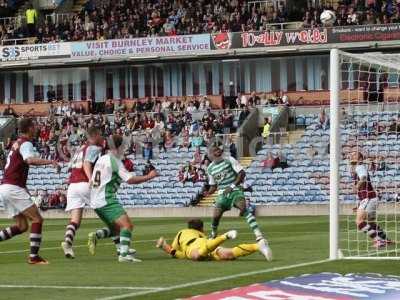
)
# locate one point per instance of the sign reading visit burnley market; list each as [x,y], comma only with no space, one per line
[315,36]
[141,46]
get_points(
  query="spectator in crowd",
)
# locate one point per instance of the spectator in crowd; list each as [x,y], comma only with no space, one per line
[282,160]
[243,115]
[227,121]
[196,140]
[253,100]
[197,157]
[323,120]
[109,107]
[232,147]
[380,163]
[285,99]
[120,107]
[270,162]
[148,147]
[9,111]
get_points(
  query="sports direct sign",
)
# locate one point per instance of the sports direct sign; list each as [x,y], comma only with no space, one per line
[141,46]
[35,51]
[324,286]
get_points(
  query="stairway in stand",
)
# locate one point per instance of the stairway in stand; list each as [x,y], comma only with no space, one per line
[209,200]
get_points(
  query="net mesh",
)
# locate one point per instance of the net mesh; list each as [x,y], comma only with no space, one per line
[370,125]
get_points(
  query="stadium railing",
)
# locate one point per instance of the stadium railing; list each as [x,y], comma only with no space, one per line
[57,18]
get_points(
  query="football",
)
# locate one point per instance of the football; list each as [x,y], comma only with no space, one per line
[328,18]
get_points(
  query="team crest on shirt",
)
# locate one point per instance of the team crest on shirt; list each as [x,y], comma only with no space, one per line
[220,176]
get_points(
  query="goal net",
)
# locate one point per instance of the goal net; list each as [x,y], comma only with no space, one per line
[365,155]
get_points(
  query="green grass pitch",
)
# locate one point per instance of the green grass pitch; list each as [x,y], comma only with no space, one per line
[294,240]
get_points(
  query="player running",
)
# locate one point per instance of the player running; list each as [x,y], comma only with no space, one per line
[192,244]
[78,194]
[367,202]
[14,194]
[225,175]
[107,176]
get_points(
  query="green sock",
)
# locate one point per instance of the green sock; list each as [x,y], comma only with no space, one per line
[125,239]
[251,220]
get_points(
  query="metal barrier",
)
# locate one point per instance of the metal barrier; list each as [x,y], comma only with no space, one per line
[9,42]
[58,18]
[18,20]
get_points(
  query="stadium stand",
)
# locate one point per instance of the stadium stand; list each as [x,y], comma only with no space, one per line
[306,179]
[100,20]
[168,157]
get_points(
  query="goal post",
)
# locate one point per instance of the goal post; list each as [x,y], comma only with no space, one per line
[334,155]
[364,118]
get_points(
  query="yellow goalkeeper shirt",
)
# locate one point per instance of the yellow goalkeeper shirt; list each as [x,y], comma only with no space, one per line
[185,238]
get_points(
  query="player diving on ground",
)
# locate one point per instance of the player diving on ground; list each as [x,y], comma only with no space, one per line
[108,173]
[225,177]
[192,243]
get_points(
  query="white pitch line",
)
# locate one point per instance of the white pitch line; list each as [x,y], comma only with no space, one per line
[212,280]
[77,287]
[77,246]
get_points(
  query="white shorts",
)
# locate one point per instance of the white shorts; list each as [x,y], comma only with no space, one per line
[15,199]
[78,195]
[370,206]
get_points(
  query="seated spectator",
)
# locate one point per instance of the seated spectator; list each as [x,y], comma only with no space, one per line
[381,164]
[282,161]
[165,104]
[285,99]
[109,107]
[197,157]
[253,100]
[270,162]
[364,130]
[323,120]
[184,139]
[148,147]
[9,111]
[128,164]
[227,121]
[232,147]
[169,140]
[120,107]
[54,200]
[196,140]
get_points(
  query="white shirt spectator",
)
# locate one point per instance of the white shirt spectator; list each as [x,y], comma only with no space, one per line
[243,100]
[59,110]
[159,125]
[191,108]
[285,99]
[165,104]
[208,104]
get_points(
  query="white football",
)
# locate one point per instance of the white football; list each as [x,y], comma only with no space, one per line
[328,18]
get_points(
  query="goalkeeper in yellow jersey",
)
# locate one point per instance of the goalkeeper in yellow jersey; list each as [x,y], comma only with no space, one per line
[192,243]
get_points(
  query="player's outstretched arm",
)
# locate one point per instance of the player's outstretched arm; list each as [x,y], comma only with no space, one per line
[140,179]
[36,161]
